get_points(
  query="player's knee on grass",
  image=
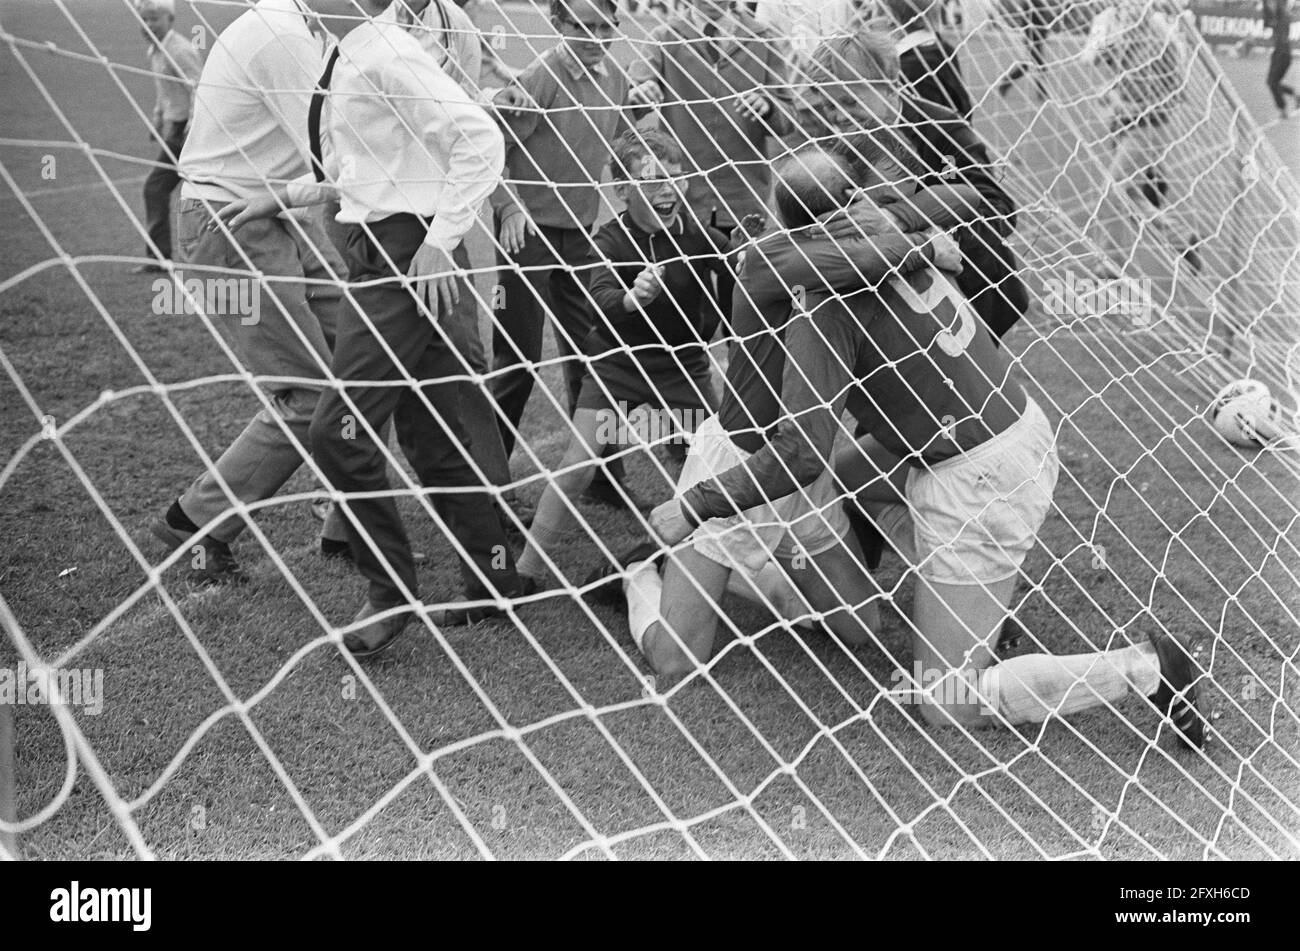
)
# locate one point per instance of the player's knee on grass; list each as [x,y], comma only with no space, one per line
[666,657]
[837,584]
[693,586]
[954,628]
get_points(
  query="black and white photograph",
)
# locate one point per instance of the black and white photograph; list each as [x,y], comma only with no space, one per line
[650,430]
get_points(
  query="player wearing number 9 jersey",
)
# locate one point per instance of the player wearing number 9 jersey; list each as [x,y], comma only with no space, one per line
[797,553]
[911,361]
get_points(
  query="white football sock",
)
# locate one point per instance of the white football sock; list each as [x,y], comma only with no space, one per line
[643,588]
[1031,688]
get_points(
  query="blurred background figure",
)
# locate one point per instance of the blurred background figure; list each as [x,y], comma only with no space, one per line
[1277,18]
[926,57]
[176,68]
[494,29]
[806,22]
[1034,19]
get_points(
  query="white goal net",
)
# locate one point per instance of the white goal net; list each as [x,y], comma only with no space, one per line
[159,717]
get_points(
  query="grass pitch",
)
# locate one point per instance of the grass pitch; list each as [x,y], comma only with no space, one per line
[232,729]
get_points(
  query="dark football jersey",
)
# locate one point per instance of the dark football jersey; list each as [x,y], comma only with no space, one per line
[912,362]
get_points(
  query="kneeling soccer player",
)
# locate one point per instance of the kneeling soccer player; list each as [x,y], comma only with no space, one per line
[804,536]
[922,374]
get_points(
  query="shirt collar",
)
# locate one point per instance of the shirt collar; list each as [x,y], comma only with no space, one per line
[576,68]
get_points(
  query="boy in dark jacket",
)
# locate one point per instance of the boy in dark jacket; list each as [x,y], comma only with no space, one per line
[720,82]
[647,347]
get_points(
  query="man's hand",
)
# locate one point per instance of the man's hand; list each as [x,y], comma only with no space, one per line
[752,225]
[648,93]
[669,522]
[944,251]
[433,272]
[862,218]
[515,229]
[754,104]
[243,210]
[513,99]
[648,285]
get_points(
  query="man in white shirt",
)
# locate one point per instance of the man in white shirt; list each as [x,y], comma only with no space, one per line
[413,161]
[447,33]
[176,68]
[248,133]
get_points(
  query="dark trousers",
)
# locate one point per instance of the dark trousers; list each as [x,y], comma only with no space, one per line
[556,263]
[436,443]
[158,187]
[1277,67]
[476,404]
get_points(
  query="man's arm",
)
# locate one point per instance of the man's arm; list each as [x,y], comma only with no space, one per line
[648,58]
[780,263]
[968,161]
[721,258]
[815,388]
[607,291]
[779,90]
[459,133]
[537,87]
[942,206]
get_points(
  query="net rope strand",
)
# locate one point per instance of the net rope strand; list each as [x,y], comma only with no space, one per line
[1252,295]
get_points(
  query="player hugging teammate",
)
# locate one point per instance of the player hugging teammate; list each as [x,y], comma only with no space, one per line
[957,469]
[880,287]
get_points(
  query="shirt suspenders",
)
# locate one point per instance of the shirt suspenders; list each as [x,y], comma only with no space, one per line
[314,116]
[445,35]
